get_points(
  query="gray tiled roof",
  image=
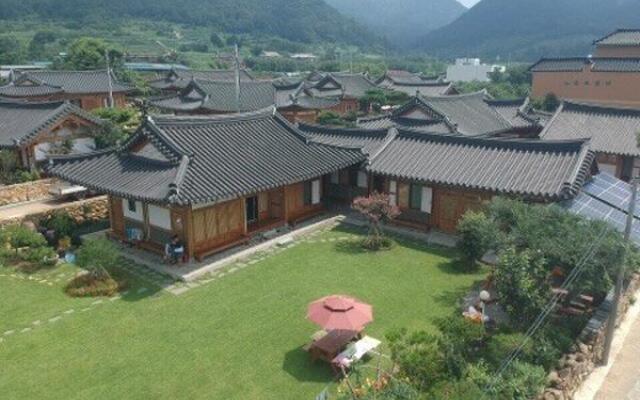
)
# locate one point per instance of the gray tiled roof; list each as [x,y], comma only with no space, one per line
[340,84]
[577,64]
[391,121]
[620,37]
[535,169]
[20,121]
[401,77]
[219,96]
[612,130]
[210,159]
[425,89]
[469,112]
[370,141]
[37,83]
[517,111]
[179,79]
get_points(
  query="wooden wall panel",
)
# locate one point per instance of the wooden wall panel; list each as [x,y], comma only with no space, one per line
[216,225]
[116,215]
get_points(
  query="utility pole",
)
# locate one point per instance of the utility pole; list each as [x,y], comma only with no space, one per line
[106,57]
[237,71]
[613,316]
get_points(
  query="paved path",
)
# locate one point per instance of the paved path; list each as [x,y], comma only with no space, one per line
[31,207]
[623,380]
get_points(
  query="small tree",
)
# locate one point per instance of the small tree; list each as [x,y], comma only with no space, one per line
[96,256]
[521,282]
[478,234]
[377,209]
[550,102]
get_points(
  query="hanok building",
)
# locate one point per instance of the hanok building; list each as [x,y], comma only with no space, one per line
[215,181]
[37,130]
[611,76]
[622,43]
[217,97]
[345,88]
[434,178]
[176,80]
[296,105]
[613,132]
[469,114]
[414,84]
[86,89]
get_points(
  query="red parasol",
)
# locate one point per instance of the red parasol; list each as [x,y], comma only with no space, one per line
[340,312]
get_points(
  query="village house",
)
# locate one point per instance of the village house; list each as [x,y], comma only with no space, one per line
[86,89]
[611,76]
[346,88]
[434,178]
[468,114]
[215,181]
[296,105]
[177,79]
[413,84]
[217,97]
[34,131]
[612,130]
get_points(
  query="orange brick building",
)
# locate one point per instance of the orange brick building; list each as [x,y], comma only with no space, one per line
[611,76]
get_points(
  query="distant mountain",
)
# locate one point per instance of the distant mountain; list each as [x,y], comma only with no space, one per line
[296,20]
[402,22]
[527,29]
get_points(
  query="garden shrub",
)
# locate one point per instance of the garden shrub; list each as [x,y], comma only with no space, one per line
[456,390]
[62,223]
[521,381]
[87,286]
[521,282]
[478,234]
[376,208]
[501,345]
[18,236]
[461,342]
[40,256]
[97,256]
[419,358]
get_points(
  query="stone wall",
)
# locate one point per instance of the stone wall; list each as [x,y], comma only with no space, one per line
[574,367]
[36,190]
[94,209]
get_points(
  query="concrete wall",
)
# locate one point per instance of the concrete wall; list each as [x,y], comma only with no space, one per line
[574,367]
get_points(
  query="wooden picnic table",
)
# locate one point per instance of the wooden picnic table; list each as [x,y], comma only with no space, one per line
[330,345]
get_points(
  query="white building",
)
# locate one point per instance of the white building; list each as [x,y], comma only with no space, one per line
[471,69]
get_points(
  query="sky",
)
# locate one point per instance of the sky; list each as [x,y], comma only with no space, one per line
[469,3]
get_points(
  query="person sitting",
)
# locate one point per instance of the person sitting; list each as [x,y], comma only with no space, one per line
[174,250]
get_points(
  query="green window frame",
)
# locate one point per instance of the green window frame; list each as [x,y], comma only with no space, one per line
[415,196]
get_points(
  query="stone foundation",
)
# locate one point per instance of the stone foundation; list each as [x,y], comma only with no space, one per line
[29,191]
[94,209]
[574,367]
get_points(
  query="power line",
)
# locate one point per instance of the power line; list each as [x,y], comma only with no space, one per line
[538,322]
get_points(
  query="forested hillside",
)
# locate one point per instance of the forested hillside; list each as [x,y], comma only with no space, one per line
[296,20]
[524,30]
[401,21]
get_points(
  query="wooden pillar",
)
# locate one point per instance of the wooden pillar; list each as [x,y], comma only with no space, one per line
[145,221]
[188,231]
[243,212]
[285,191]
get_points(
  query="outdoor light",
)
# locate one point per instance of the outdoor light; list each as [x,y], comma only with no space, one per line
[485,296]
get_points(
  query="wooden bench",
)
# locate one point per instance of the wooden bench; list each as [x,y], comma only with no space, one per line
[200,255]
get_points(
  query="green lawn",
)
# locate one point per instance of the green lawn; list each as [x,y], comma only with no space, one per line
[237,337]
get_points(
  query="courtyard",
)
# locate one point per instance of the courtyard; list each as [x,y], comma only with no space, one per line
[237,334]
